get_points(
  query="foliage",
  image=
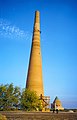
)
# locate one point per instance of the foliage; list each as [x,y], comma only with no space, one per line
[9,97]
[30,101]
[12,99]
[2,117]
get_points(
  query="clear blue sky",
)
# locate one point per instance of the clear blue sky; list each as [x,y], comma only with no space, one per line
[58,45]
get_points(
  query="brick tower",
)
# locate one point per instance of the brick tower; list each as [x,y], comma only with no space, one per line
[34,77]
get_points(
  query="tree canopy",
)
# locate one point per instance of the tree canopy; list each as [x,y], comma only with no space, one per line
[9,96]
[30,101]
[13,98]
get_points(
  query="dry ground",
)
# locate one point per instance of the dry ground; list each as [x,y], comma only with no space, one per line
[39,115]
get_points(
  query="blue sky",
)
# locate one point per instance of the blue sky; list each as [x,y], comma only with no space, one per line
[58,45]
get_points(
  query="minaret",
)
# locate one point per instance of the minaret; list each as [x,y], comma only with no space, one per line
[34,76]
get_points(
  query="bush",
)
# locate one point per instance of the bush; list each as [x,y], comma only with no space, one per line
[30,101]
[2,117]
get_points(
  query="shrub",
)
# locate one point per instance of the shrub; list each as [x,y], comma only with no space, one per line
[2,117]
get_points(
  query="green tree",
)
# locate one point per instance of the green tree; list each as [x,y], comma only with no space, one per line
[2,96]
[16,97]
[9,97]
[30,101]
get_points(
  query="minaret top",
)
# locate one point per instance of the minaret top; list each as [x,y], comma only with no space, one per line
[37,21]
[37,11]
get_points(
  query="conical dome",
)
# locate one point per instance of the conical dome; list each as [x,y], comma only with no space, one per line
[57,104]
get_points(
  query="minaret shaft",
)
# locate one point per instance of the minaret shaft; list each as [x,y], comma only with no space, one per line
[34,77]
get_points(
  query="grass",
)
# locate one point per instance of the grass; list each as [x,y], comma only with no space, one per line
[22,115]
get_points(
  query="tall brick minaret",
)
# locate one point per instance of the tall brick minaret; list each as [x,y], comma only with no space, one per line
[34,77]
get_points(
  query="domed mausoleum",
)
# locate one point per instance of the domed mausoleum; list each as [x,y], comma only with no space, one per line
[57,104]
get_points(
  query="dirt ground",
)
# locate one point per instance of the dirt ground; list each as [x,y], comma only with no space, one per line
[16,115]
